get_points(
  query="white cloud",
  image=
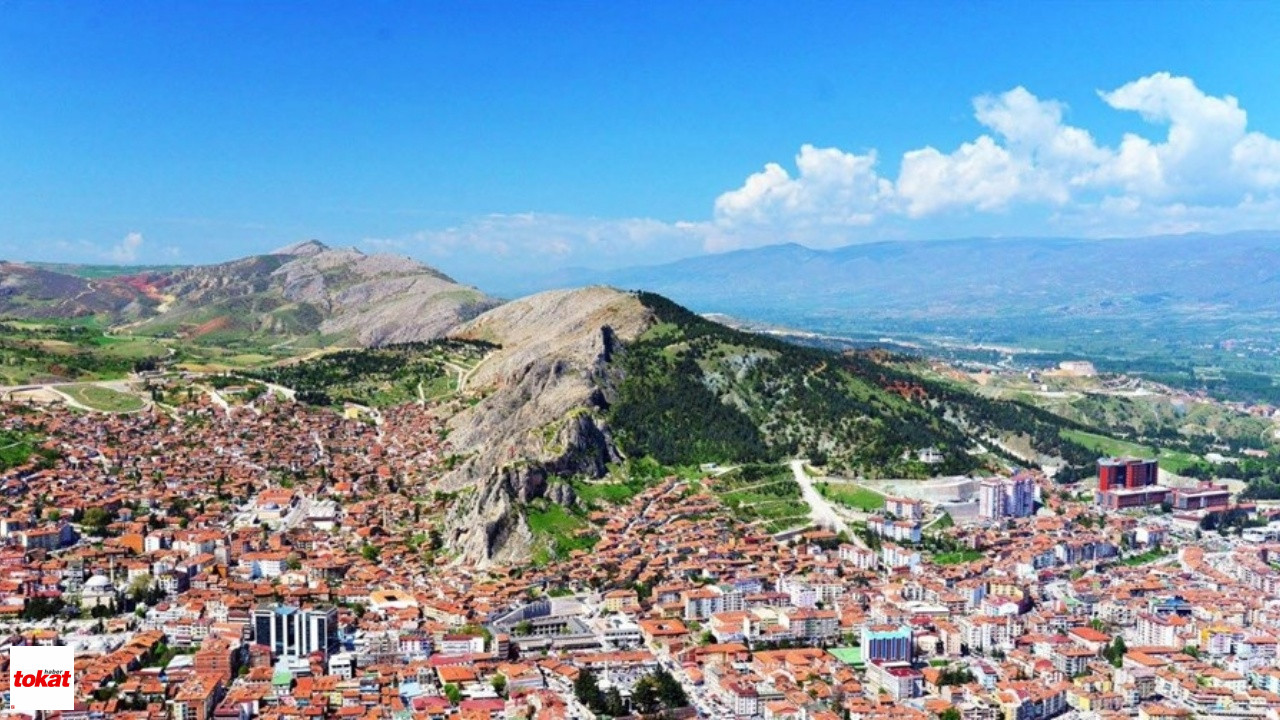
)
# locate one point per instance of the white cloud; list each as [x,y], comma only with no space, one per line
[1206,171]
[1028,171]
[832,187]
[126,251]
[1197,153]
[1256,158]
[980,174]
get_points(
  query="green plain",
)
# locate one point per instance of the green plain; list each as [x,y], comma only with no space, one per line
[101,398]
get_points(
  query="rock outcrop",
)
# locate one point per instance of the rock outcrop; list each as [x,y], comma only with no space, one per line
[542,416]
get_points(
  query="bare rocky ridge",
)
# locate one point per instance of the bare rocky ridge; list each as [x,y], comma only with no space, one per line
[306,290]
[342,295]
[542,415]
[377,299]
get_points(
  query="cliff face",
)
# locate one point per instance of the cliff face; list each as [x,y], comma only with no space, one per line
[542,414]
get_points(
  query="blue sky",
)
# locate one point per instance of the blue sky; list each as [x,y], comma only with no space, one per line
[495,139]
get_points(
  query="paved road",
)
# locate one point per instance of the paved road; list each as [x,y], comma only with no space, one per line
[820,510]
[289,393]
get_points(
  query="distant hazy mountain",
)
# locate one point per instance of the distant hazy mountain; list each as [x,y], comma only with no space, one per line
[1186,276]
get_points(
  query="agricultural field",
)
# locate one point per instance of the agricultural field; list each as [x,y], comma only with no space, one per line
[61,351]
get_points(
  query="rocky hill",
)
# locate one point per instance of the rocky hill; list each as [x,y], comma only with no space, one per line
[586,378]
[543,416]
[337,296]
[306,293]
[555,388]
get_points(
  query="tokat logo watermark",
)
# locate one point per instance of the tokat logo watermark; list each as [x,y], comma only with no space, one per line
[41,678]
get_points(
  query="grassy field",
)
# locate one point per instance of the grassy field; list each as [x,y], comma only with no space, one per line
[380,377]
[16,448]
[560,531]
[957,557]
[763,494]
[1146,557]
[58,351]
[851,496]
[1172,460]
[611,493]
[96,272]
[101,398]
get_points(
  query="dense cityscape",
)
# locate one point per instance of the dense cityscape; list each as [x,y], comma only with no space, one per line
[262,559]
[636,360]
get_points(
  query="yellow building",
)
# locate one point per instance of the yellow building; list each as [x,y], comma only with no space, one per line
[621,600]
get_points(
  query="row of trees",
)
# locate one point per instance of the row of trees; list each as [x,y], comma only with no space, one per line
[652,693]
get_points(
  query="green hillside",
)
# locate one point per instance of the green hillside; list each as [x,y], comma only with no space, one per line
[694,391]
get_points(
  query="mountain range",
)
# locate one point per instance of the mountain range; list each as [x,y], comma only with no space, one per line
[1226,279]
[573,382]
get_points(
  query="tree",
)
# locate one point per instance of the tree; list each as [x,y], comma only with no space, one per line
[949,714]
[1115,652]
[499,683]
[39,608]
[644,696]
[585,687]
[138,587]
[452,692]
[95,520]
[370,553]
[955,676]
[670,691]
[614,705]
